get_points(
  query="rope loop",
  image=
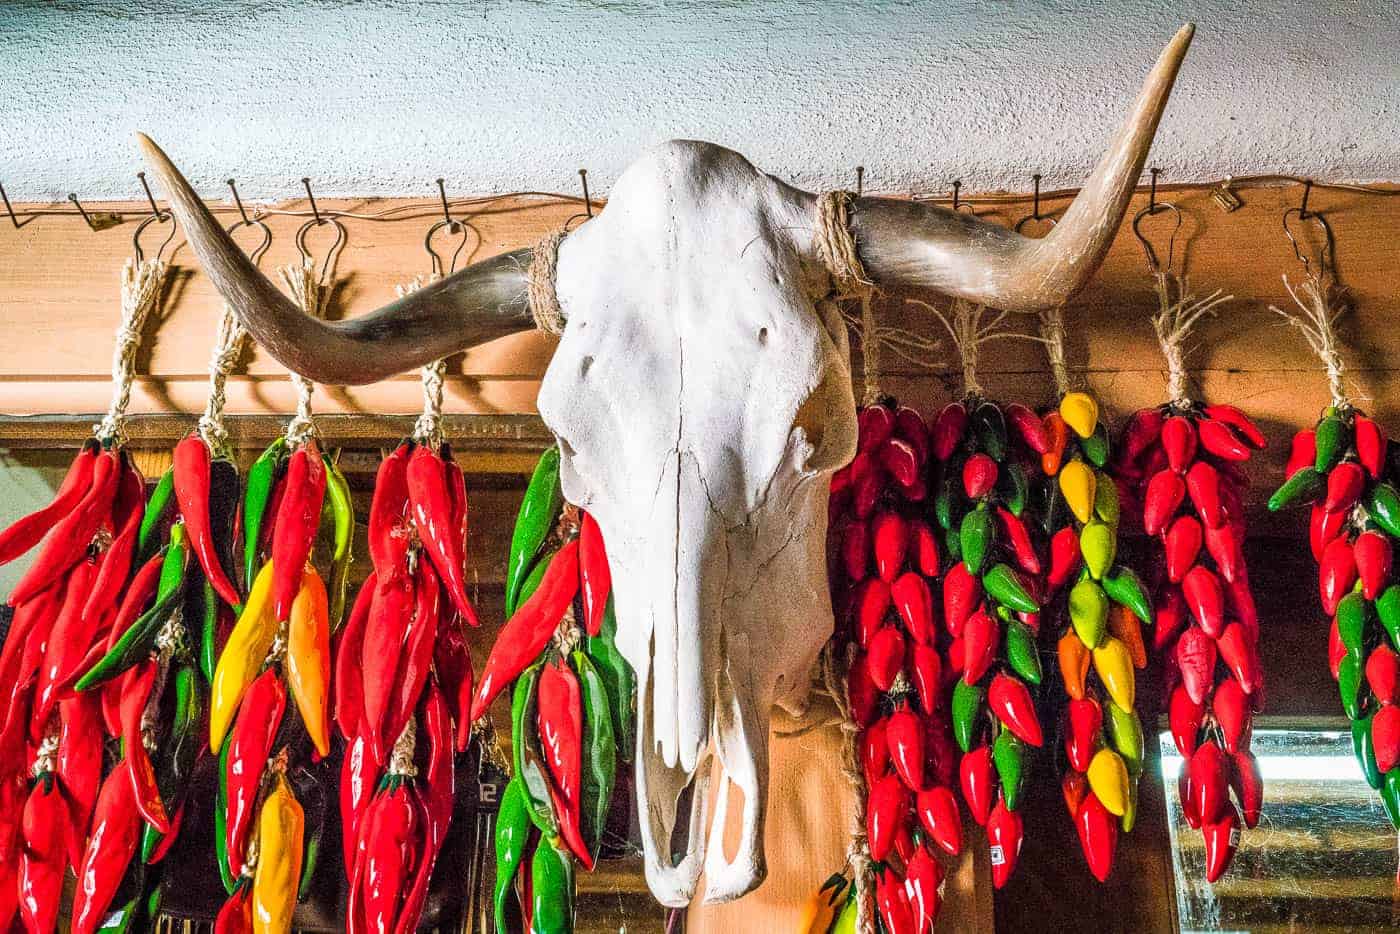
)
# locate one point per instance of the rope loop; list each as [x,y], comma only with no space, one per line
[142,284]
[228,345]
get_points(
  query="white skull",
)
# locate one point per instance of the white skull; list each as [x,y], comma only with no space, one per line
[701,395]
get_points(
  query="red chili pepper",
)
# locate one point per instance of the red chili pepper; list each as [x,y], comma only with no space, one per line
[1029,426]
[1142,431]
[1383,674]
[901,460]
[1204,486]
[1231,708]
[1098,835]
[1323,529]
[874,425]
[594,575]
[1240,603]
[435,791]
[875,750]
[861,690]
[389,616]
[938,813]
[452,662]
[910,426]
[526,633]
[1374,556]
[1302,452]
[1336,574]
[1185,716]
[1178,439]
[136,693]
[70,538]
[1065,558]
[112,841]
[416,653]
[192,479]
[1195,659]
[116,563]
[1005,833]
[1370,447]
[1225,546]
[979,476]
[298,517]
[1182,543]
[26,532]
[1220,439]
[1084,720]
[855,550]
[924,547]
[872,603]
[1221,838]
[905,735]
[962,593]
[1238,652]
[926,671]
[560,722]
[885,658]
[236,915]
[895,913]
[890,535]
[1248,784]
[357,776]
[1205,598]
[388,545]
[1020,541]
[886,808]
[66,644]
[1345,483]
[978,782]
[1165,491]
[1208,781]
[1011,702]
[432,517]
[948,429]
[42,859]
[1074,787]
[348,701]
[79,761]
[981,635]
[391,828]
[250,744]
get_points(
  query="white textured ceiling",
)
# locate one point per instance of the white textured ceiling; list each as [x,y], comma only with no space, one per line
[380,97]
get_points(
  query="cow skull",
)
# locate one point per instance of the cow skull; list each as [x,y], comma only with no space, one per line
[701,397]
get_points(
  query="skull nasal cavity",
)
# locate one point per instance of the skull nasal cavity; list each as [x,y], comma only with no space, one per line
[763,337]
[584,366]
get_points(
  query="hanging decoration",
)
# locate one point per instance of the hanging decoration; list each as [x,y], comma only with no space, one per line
[1180,464]
[1341,467]
[72,601]
[1099,607]
[572,707]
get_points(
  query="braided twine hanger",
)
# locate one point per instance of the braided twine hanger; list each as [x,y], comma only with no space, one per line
[142,285]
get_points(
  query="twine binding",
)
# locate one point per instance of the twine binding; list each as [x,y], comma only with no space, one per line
[142,284]
[1176,316]
[228,345]
[428,428]
[1052,335]
[1321,305]
[540,283]
[310,292]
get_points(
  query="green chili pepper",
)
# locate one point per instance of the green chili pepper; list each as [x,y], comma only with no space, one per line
[1088,611]
[225,489]
[1303,486]
[1329,440]
[990,427]
[208,629]
[1365,751]
[948,501]
[1021,651]
[1008,588]
[1106,505]
[599,751]
[513,829]
[156,507]
[178,751]
[976,535]
[312,797]
[1390,796]
[1353,615]
[1125,732]
[967,710]
[527,752]
[262,477]
[1349,681]
[538,513]
[1095,447]
[1012,487]
[1388,609]
[1123,585]
[552,890]
[221,820]
[342,509]
[135,644]
[1009,757]
[1384,506]
[619,680]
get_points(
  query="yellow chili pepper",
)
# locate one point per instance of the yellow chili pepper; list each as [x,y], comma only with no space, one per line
[1115,667]
[1079,484]
[1080,412]
[242,658]
[1088,611]
[819,912]
[1108,777]
[308,658]
[275,880]
[1074,664]
[1123,624]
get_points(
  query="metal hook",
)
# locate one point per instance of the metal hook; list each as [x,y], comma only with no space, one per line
[150,198]
[957,189]
[315,211]
[1035,214]
[238,201]
[587,201]
[1327,251]
[157,217]
[860,180]
[446,214]
[8,209]
[1303,208]
[1152,197]
[1153,262]
[959,206]
[81,210]
[453,227]
[316,221]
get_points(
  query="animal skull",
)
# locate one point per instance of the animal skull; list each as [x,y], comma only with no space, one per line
[701,396]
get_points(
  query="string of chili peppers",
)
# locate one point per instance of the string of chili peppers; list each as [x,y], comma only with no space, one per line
[1099,608]
[66,607]
[1343,468]
[572,708]
[1180,464]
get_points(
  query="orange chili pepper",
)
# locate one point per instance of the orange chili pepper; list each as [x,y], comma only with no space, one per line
[1057,433]
[1123,625]
[1074,664]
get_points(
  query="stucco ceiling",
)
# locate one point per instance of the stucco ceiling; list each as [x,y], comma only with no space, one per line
[385,95]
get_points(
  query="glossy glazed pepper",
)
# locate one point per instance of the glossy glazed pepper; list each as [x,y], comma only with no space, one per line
[599,752]
[257,494]
[431,509]
[298,517]
[243,656]
[193,484]
[116,561]
[388,546]
[44,829]
[347,690]
[389,616]
[66,644]
[538,512]
[513,829]
[308,662]
[250,745]
[79,760]
[358,772]
[26,532]
[619,681]
[560,721]
[416,649]
[143,587]
[136,693]
[157,507]
[391,829]
[236,915]
[551,890]
[281,825]
[179,750]
[70,537]
[595,577]
[527,752]
[453,663]
[436,794]
[112,842]
[342,508]
[528,631]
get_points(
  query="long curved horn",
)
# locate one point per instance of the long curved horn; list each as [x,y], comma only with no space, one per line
[911,244]
[475,305]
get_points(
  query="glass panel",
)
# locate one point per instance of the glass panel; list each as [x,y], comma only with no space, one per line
[1323,857]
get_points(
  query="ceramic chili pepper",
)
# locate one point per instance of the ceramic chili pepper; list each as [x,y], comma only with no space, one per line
[27,531]
[358,773]
[538,512]
[528,631]
[1005,833]
[551,890]
[595,577]
[889,534]
[236,914]
[45,826]
[1084,721]
[926,672]
[913,601]
[599,751]
[894,909]
[905,733]
[887,806]
[391,827]
[67,643]
[962,593]
[135,696]
[1009,755]
[390,615]
[249,749]
[431,509]
[116,561]
[1098,835]
[193,472]
[294,531]
[938,814]
[1373,555]
[112,842]
[1011,702]
[242,657]
[513,830]
[308,658]
[69,538]
[560,712]
[977,782]
[417,649]
[885,656]
[281,828]
[1221,838]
